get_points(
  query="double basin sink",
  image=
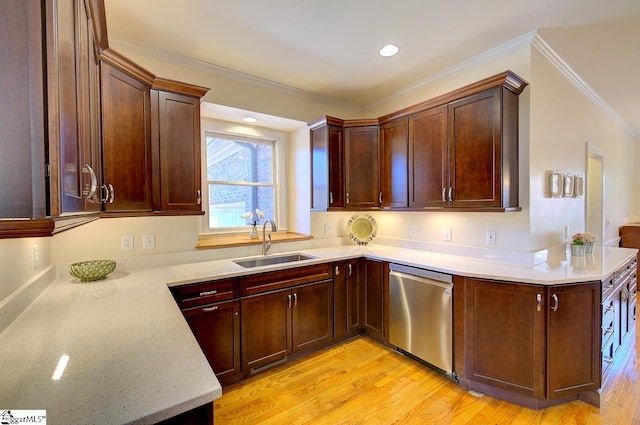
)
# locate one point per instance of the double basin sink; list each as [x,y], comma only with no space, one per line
[249,263]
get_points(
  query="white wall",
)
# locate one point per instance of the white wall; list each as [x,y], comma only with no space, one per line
[244,95]
[16,261]
[562,121]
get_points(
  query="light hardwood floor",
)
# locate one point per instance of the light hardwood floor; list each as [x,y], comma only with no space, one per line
[363,382]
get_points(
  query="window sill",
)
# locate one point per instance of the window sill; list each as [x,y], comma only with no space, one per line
[224,241]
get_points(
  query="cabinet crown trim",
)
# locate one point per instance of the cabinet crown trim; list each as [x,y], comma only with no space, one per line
[507,79]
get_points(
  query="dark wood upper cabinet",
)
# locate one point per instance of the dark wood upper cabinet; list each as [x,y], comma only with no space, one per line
[361,176]
[73,82]
[126,141]
[327,167]
[394,160]
[64,84]
[176,139]
[22,110]
[483,150]
[457,151]
[428,170]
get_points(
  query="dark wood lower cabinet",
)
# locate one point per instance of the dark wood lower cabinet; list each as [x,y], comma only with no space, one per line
[573,329]
[217,329]
[375,300]
[534,345]
[278,324]
[266,329]
[505,340]
[541,342]
[346,298]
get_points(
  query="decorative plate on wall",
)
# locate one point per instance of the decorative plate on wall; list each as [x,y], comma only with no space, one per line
[556,185]
[362,228]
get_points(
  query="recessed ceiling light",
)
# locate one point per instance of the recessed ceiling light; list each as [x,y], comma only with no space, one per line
[389,50]
[249,119]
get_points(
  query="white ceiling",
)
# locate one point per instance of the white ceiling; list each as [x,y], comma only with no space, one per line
[329,47]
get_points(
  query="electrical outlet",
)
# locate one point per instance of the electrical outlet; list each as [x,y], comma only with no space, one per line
[491,237]
[413,231]
[446,234]
[126,243]
[148,241]
[36,257]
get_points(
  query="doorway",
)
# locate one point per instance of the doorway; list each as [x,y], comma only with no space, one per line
[594,194]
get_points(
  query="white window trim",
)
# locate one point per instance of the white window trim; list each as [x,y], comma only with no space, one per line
[249,134]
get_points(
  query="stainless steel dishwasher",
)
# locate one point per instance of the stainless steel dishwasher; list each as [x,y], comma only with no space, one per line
[421,314]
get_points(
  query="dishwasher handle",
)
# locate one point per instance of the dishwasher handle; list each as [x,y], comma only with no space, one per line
[426,281]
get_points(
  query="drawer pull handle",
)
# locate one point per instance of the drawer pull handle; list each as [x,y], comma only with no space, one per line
[538,302]
[295,299]
[556,303]
[350,269]
[210,309]
[624,295]
[337,272]
[207,293]
[607,359]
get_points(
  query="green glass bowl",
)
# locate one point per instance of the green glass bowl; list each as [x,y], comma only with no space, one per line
[89,271]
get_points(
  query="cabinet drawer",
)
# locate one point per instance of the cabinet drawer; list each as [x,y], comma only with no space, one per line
[608,328]
[281,279]
[607,360]
[202,293]
[607,286]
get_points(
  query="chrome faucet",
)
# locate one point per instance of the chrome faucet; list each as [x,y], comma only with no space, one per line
[266,245]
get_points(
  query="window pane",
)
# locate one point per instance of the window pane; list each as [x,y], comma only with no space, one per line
[239,161]
[227,204]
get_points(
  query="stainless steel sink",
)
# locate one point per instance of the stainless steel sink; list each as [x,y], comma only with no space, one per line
[272,259]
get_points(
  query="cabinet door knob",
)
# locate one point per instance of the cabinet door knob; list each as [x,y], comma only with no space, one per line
[538,302]
[331,197]
[295,299]
[199,198]
[350,269]
[380,198]
[112,193]
[105,194]
[289,300]
[444,191]
[450,194]
[347,197]
[337,272]
[556,303]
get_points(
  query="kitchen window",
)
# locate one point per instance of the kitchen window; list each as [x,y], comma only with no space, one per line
[241,176]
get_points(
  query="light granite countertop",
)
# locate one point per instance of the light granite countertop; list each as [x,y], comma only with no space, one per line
[132,356]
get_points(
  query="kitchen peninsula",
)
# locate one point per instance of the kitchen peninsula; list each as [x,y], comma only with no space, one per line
[133,358]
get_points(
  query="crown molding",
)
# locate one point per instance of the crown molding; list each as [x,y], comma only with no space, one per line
[545,50]
[220,71]
[487,56]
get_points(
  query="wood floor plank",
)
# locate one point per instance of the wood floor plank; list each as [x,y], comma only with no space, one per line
[364,382]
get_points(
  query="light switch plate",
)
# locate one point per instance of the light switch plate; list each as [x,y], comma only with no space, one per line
[446,234]
[413,231]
